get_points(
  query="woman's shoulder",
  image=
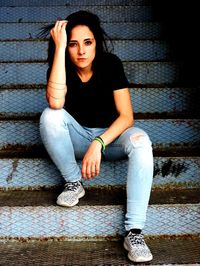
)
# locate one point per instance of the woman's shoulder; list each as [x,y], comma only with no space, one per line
[110,57]
[109,62]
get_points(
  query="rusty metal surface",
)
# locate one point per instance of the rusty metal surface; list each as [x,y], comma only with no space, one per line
[64,3]
[49,14]
[100,214]
[127,50]
[185,132]
[40,173]
[174,102]
[138,73]
[120,30]
[165,252]
[97,196]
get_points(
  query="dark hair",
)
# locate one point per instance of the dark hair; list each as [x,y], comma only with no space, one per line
[81,17]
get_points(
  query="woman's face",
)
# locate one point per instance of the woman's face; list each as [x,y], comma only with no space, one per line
[82,47]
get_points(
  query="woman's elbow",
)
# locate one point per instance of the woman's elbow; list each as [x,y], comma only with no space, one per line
[131,121]
[55,104]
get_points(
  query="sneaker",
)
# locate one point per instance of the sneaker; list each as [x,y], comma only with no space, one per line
[71,194]
[137,249]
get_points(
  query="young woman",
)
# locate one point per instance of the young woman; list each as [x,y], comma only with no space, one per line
[90,117]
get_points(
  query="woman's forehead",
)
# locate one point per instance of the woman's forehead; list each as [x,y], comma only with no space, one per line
[81,32]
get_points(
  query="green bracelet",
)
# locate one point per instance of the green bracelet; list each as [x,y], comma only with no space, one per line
[99,139]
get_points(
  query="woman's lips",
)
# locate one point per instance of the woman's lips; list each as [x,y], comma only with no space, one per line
[81,59]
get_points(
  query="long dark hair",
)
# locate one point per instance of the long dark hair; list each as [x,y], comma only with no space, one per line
[92,21]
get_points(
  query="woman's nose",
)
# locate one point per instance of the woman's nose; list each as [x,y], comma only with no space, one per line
[81,49]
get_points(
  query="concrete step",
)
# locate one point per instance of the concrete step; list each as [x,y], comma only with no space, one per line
[41,173]
[138,73]
[167,251]
[16,133]
[169,101]
[120,30]
[28,3]
[127,50]
[52,13]
[100,214]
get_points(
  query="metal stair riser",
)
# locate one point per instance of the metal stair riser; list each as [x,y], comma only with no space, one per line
[136,72]
[31,174]
[120,30]
[168,100]
[185,132]
[73,2]
[91,221]
[127,50]
[51,14]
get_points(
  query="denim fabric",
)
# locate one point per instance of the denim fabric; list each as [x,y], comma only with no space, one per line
[66,141]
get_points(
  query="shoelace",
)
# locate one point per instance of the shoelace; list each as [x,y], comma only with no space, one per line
[136,239]
[72,186]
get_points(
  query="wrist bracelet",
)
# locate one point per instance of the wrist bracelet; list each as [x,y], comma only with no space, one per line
[63,88]
[99,139]
[56,82]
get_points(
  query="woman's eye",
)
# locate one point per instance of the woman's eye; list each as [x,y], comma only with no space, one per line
[72,44]
[88,43]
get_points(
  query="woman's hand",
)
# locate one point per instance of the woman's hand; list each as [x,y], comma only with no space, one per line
[91,161]
[58,33]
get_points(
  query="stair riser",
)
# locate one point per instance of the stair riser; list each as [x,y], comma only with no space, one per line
[169,172]
[88,221]
[161,73]
[168,100]
[126,50]
[49,14]
[185,132]
[137,30]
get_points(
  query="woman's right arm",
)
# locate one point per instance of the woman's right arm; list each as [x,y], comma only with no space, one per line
[56,86]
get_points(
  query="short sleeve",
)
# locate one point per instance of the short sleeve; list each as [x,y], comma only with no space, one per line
[48,73]
[117,77]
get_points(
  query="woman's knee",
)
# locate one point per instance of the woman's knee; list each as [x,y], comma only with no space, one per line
[51,116]
[137,137]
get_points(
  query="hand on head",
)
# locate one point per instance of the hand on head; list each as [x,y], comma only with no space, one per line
[58,33]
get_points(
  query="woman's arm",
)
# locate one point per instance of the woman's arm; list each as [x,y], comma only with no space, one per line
[125,119]
[92,158]
[56,86]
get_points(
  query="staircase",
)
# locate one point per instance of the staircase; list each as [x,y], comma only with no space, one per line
[33,230]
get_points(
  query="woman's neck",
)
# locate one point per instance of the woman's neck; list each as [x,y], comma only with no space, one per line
[85,74]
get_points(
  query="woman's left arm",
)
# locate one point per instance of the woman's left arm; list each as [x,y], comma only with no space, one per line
[92,158]
[125,119]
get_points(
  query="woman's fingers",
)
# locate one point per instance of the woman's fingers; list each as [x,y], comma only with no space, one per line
[58,33]
[60,24]
[90,170]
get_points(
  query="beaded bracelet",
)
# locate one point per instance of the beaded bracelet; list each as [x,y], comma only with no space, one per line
[99,139]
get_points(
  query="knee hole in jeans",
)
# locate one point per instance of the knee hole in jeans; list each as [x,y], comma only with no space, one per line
[136,137]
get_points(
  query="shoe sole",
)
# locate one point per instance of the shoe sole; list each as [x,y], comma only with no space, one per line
[63,204]
[139,259]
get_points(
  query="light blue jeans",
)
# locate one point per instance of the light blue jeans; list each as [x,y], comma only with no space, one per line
[66,141]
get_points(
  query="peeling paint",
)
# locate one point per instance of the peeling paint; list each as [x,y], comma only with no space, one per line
[170,168]
[14,168]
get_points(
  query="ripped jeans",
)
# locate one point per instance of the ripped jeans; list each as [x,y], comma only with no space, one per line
[66,140]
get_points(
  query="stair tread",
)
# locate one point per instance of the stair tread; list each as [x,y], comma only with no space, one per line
[170,102]
[165,252]
[47,13]
[64,3]
[97,197]
[117,30]
[148,73]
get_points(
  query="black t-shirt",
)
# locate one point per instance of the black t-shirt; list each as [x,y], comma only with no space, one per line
[92,103]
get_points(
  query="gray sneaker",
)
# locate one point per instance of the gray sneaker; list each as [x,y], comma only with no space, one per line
[137,249]
[71,194]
